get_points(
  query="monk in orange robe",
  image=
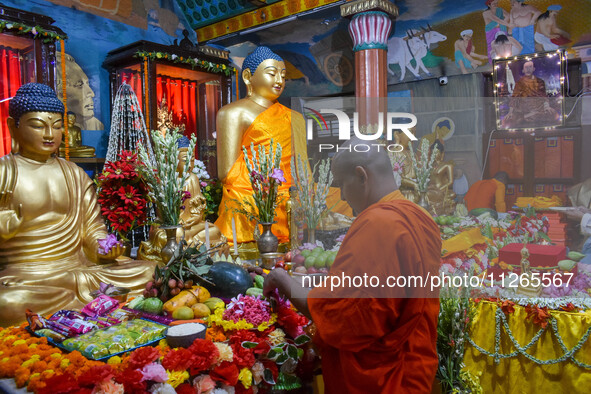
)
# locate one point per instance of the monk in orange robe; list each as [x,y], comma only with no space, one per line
[374,339]
[488,193]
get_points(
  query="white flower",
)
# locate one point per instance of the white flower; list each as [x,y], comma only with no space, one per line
[162,388]
[173,56]
[9,25]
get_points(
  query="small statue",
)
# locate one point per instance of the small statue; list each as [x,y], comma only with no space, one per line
[185,43]
[50,221]
[408,185]
[76,149]
[165,119]
[192,217]
[526,285]
[440,190]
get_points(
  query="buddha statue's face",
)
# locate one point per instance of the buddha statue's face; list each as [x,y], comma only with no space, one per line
[269,79]
[183,160]
[71,119]
[38,134]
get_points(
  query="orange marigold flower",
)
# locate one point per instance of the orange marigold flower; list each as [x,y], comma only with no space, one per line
[21,376]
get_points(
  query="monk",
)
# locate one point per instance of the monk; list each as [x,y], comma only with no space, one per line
[488,193]
[371,340]
[256,119]
[50,221]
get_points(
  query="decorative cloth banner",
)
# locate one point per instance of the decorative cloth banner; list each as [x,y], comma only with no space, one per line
[556,359]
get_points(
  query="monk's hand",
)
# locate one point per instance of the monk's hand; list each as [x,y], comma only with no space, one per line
[10,218]
[275,280]
[575,214]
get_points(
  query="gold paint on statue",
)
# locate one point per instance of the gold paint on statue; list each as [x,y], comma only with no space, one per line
[165,118]
[408,186]
[192,220]
[440,193]
[50,224]
[75,141]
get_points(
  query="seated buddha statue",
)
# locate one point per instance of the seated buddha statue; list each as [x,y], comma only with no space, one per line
[76,149]
[50,220]
[192,217]
[440,192]
[256,119]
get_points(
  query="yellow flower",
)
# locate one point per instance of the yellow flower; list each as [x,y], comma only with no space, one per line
[175,378]
[33,346]
[64,363]
[19,342]
[114,360]
[245,377]
[226,353]
[55,355]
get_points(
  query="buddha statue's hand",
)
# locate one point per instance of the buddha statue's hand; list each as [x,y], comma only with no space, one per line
[116,251]
[10,218]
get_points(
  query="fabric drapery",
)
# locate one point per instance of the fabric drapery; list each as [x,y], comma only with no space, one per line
[181,99]
[10,81]
[134,79]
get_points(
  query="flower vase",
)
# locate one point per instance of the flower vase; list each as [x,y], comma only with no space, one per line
[171,243]
[423,203]
[267,242]
[311,235]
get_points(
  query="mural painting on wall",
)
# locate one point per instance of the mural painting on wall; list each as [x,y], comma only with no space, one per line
[430,38]
[79,94]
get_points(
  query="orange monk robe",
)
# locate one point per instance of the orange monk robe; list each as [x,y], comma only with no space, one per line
[370,344]
[279,123]
[487,193]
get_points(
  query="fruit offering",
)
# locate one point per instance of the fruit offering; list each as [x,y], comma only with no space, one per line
[312,261]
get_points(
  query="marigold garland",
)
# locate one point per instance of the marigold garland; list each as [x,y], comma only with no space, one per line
[37,31]
[193,62]
[64,88]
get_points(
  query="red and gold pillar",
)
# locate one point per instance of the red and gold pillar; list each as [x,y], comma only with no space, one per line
[370,26]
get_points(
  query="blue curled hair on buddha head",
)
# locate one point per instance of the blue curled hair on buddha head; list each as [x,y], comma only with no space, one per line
[34,97]
[256,57]
[183,142]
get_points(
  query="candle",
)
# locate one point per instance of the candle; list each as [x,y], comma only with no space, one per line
[234,241]
[206,235]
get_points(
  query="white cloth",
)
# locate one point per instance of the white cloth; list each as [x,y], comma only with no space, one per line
[586,224]
[545,42]
[460,186]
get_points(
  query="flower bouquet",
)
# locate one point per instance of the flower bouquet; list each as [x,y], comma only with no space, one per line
[165,181]
[423,165]
[265,178]
[311,201]
[122,195]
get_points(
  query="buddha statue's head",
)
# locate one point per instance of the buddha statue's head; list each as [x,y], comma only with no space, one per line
[71,118]
[440,150]
[35,121]
[263,72]
[183,150]
[403,139]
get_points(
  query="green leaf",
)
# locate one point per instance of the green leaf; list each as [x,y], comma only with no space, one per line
[202,269]
[292,352]
[282,358]
[249,345]
[302,339]
[268,377]
[300,353]
[544,236]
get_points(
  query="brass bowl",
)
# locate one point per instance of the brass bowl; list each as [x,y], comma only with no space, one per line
[268,260]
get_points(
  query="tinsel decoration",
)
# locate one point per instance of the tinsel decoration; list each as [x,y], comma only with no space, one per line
[128,128]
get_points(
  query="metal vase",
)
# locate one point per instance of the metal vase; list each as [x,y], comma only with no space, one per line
[423,203]
[171,243]
[267,242]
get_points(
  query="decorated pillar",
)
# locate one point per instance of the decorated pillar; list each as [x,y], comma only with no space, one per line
[370,26]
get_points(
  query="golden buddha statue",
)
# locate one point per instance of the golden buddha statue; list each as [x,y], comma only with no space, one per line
[50,221]
[192,217]
[440,190]
[256,119]
[408,185]
[165,119]
[76,149]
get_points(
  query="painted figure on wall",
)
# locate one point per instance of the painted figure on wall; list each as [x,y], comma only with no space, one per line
[522,18]
[80,95]
[548,36]
[414,46]
[504,46]
[465,52]
[496,20]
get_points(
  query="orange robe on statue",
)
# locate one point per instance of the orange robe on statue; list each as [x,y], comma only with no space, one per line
[275,122]
[487,193]
[374,339]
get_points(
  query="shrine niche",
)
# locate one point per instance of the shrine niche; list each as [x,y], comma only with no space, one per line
[177,86]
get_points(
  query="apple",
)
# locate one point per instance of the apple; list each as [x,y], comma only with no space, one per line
[288,256]
[310,261]
[312,270]
[300,270]
[298,260]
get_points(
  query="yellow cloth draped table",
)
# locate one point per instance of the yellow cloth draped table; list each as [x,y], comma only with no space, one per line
[519,374]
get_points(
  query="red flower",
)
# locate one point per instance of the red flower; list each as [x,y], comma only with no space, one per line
[186,388]
[569,307]
[96,375]
[143,356]
[131,379]
[239,389]
[205,353]
[226,373]
[57,384]
[177,359]
[243,357]
[539,315]
[129,194]
[508,306]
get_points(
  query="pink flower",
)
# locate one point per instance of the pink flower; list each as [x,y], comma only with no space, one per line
[204,384]
[277,174]
[203,184]
[154,372]
[106,244]
[108,387]
[396,167]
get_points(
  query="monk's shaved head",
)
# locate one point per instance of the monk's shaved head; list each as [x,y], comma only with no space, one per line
[363,171]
